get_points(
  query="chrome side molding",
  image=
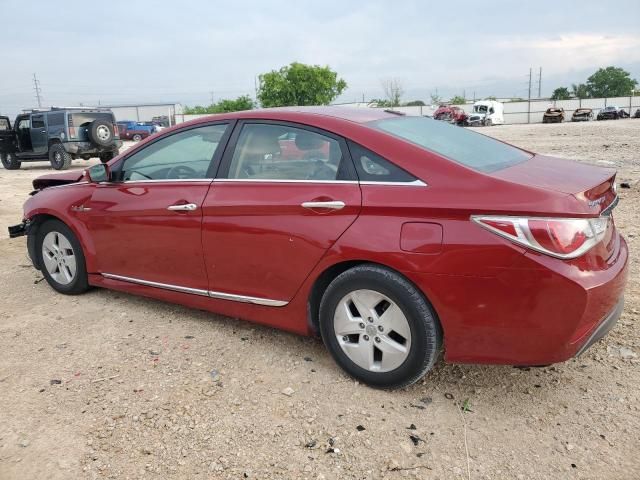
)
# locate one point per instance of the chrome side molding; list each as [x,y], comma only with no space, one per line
[194,291]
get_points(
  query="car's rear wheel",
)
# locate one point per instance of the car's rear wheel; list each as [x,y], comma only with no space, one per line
[379,327]
[137,137]
[61,258]
[59,158]
[9,161]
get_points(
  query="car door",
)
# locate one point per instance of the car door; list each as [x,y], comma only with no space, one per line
[146,221]
[39,140]
[269,217]
[7,136]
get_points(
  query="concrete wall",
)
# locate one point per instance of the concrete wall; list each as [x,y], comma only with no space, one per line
[523,112]
[145,113]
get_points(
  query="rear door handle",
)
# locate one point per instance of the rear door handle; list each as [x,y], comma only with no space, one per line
[187,207]
[332,205]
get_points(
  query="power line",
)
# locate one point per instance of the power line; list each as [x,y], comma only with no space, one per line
[36,87]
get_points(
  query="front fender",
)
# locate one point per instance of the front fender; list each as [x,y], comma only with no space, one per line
[61,203]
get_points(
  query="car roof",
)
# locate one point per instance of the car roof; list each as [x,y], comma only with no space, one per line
[351,114]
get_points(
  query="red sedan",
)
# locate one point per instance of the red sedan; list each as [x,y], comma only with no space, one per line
[392,237]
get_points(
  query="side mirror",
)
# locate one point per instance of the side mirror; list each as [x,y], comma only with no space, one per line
[98,173]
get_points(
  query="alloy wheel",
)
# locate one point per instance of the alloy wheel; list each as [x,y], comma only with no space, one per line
[372,330]
[59,258]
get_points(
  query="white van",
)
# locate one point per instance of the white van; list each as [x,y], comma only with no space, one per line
[487,113]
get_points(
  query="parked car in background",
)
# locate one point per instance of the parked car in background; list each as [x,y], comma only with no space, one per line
[582,115]
[131,126]
[553,115]
[451,114]
[392,237]
[612,113]
[58,135]
[637,114]
[134,131]
[486,113]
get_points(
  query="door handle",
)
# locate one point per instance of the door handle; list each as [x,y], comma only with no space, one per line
[187,207]
[332,205]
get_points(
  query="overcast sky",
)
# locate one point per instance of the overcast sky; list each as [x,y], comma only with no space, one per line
[130,51]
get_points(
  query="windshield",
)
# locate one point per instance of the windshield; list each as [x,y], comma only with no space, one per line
[469,148]
[480,108]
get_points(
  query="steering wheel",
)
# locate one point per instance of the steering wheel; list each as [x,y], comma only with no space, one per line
[182,172]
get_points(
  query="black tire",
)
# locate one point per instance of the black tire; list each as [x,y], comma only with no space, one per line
[59,158]
[80,283]
[137,137]
[9,161]
[426,332]
[101,133]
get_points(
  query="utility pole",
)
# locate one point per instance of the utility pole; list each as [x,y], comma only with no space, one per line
[529,98]
[36,87]
[211,92]
[540,83]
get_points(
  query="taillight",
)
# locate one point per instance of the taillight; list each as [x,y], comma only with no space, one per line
[559,237]
[72,129]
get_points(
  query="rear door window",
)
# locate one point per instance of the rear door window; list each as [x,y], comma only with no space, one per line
[4,124]
[283,152]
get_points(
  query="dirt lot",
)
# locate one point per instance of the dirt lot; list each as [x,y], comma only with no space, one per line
[107,385]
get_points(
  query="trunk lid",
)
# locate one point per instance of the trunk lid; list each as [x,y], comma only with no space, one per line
[595,186]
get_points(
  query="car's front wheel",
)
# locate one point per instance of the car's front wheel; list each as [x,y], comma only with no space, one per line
[61,258]
[379,327]
[137,137]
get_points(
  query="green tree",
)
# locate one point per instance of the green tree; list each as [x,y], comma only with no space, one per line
[561,93]
[610,82]
[241,103]
[580,90]
[299,84]
[458,100]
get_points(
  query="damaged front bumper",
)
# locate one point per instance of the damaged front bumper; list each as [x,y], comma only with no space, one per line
[19,230]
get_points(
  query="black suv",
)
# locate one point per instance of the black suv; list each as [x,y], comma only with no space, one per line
[59,135]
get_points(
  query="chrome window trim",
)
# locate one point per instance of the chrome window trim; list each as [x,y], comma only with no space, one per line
[274,180]
[168,180]
[414,183]
[205,293]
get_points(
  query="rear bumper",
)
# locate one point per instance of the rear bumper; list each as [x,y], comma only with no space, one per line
[603,328]
[87,148]
[538,311]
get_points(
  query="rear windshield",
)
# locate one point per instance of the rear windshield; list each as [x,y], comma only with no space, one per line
[4,124]
[82,119]
[469,148]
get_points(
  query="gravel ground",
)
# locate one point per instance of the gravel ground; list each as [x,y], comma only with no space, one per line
[107,385]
